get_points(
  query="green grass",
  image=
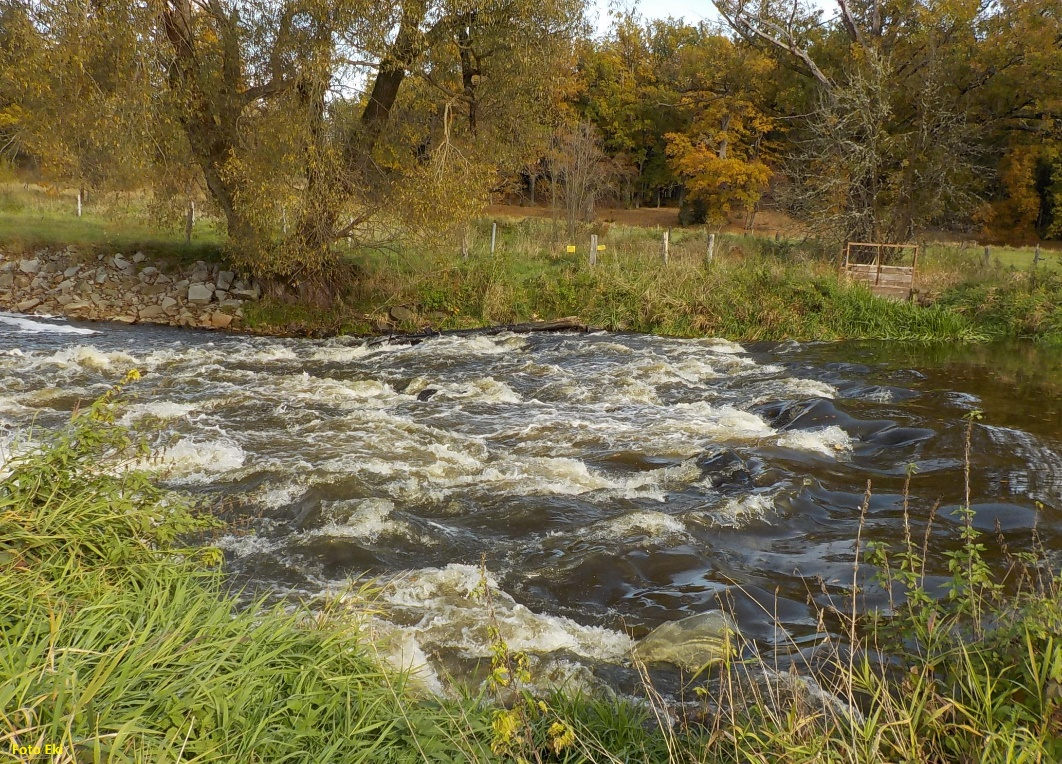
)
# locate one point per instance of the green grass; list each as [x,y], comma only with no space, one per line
[969,260]
[33,217]
[754,289]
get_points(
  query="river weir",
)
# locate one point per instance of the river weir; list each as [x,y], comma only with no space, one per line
[611,483]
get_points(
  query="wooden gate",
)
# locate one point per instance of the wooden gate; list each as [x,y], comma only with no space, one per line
[866,262]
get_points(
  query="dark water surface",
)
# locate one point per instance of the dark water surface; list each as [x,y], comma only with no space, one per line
[613,482]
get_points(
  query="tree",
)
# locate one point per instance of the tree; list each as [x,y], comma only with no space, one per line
[888,144]
[71,98]
[584,170]
[350,116]
[720,155]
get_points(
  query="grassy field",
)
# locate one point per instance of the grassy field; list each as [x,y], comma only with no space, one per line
[755,287]
[121,643]
[33,216]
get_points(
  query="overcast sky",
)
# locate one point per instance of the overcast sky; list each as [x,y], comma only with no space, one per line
[693,11]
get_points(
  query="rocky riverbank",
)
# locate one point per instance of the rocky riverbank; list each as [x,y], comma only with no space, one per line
[123,287]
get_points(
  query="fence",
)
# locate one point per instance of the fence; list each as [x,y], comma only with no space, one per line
[864,261]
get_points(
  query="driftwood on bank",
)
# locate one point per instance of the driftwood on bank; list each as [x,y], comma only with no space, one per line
[569,324]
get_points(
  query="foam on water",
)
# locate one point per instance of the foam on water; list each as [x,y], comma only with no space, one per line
[88,357]
[163,410]
[275,497]
[23,324]
[191,461]
[499,344]
[309,388]
[723,422]
[451,616]
[829,441]
[484,389]
[366,519]
[10,405]
[400,649]
[719,345]
[246,544]
[654,525]
[792,387]
[739,511]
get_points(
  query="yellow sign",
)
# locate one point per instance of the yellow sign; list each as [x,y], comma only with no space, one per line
[570,248]
[600,247]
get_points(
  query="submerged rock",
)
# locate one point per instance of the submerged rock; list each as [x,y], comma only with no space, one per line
[725,469]
[690,643]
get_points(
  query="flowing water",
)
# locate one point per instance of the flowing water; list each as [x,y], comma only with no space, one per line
[611,482]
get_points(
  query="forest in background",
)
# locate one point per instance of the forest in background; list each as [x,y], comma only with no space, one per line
[312,128]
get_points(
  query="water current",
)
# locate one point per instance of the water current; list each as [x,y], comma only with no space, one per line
[611,482]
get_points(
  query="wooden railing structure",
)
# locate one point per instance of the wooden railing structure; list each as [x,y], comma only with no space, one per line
[865,262]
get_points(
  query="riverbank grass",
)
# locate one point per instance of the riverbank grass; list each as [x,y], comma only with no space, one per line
[36,217]
[754,287]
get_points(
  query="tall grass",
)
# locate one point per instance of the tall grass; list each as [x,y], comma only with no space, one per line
[119,643]
[753,289]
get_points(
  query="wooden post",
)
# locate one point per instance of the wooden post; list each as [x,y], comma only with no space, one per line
[877,279]
[464,244]
[665,246]
[493,235]
[1036,255]
[988,254]
[79,202]
[284,219]
[711,248]
[593,249]
[189,221]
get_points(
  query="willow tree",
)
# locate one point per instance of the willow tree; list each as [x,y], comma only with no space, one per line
[353,115]
[75,100]
[309,122]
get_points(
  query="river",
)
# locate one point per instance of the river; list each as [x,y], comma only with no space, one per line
[611,482]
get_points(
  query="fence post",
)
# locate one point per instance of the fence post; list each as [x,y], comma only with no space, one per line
[79,202]
[665,246]
[1036,255]
[593,249]
[493,235]
[711,248]
[464,244]
[987,255]
[189,221]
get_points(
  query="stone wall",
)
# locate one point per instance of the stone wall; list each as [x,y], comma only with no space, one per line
[127,288]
